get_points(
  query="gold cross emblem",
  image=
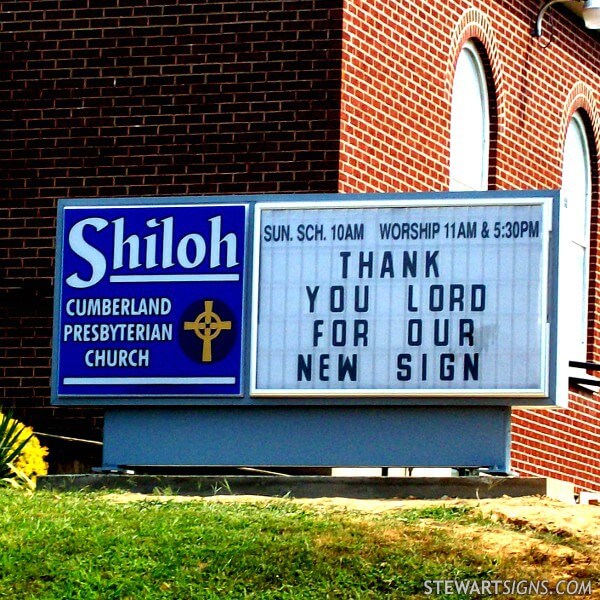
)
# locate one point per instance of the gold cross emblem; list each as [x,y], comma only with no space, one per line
[207,326]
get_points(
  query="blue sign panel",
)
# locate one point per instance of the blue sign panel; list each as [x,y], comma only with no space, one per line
[151,299]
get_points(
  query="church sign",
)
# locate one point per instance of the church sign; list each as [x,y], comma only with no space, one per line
[151,299]
[401,298]
[259,301]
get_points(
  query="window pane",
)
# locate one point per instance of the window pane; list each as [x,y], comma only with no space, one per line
[575,185]
[575,202]
[469,125]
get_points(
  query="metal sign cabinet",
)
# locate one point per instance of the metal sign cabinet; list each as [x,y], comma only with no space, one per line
[329,330]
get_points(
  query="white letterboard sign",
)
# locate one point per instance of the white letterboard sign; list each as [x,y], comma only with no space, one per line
[406,298]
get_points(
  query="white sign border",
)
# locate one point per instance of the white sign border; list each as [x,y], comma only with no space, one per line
[451,199]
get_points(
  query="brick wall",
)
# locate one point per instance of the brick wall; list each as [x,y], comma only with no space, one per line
[559,443]
[141,98]
[129,98]
[398,66]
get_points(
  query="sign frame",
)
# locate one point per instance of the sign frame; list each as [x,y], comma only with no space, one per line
[541,396]
[205,386]
[251,395]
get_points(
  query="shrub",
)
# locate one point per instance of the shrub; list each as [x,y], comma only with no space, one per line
[21,454]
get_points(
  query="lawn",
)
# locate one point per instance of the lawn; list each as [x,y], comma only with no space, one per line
[93,545]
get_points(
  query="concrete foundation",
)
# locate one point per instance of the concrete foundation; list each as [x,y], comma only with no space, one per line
[306,486]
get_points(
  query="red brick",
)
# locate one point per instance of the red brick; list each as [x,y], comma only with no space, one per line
[316,96]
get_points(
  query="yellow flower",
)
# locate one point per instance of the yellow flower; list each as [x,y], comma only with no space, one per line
[30,461]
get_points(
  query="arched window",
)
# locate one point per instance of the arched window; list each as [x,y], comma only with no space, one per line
[469,123]
[575,215]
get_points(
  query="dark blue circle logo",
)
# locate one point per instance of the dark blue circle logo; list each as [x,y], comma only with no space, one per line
[208,331]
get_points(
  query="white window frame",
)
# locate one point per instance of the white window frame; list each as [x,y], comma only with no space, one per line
[578,237]
[478,174]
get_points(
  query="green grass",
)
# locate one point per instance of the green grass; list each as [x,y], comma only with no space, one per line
[81,545]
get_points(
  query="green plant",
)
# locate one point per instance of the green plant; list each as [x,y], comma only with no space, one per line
[11,443]
[21,454]
[19,480]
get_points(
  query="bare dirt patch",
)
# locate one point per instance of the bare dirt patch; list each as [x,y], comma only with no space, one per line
[534,513]
[536,534]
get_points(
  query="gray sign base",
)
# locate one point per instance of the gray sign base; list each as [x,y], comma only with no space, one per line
[323,436]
